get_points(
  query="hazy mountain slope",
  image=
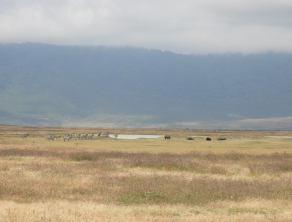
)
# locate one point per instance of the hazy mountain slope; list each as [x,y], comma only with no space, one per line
[46,84]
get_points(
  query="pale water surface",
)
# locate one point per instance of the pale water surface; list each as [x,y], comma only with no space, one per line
[133,136]
[289,137]
[199,136]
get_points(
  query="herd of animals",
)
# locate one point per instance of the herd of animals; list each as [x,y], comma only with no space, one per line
[77,136]
[90,136]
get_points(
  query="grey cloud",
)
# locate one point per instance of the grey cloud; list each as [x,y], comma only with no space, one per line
[202,26]
[268,13]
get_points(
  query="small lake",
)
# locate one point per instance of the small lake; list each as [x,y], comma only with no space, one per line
[133,136]
[198,136]
[289,137]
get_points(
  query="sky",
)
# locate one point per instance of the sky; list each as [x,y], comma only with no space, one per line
[180,26]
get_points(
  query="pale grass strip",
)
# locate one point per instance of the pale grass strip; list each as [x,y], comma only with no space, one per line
[252,210]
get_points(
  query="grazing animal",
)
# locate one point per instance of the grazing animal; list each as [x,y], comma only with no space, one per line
[24,136]
[167,137]
[190,138]
[83,136]
[220,138]
[89,136]
[104,134]
[58,137]
[67,137]
[208,139]
[76,136]
[50,137]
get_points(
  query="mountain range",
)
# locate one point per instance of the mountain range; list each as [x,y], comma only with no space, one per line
[52,85]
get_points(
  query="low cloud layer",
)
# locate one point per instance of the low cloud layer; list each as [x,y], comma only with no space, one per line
[274,123]
[187,26]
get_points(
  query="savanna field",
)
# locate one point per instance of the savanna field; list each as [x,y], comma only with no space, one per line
[247,177]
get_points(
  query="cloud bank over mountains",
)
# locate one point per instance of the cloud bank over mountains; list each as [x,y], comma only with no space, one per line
[187,26]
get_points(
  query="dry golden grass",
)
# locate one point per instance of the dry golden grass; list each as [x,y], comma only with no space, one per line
[57,211]
[245,178]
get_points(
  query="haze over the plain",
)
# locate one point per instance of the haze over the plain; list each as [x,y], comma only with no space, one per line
[186,26]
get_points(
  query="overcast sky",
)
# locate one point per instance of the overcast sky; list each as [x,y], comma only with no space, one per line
[182,26]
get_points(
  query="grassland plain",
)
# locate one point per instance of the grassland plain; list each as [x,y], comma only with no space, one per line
[245,178]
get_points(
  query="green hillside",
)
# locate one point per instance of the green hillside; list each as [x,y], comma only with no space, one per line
[66,85]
